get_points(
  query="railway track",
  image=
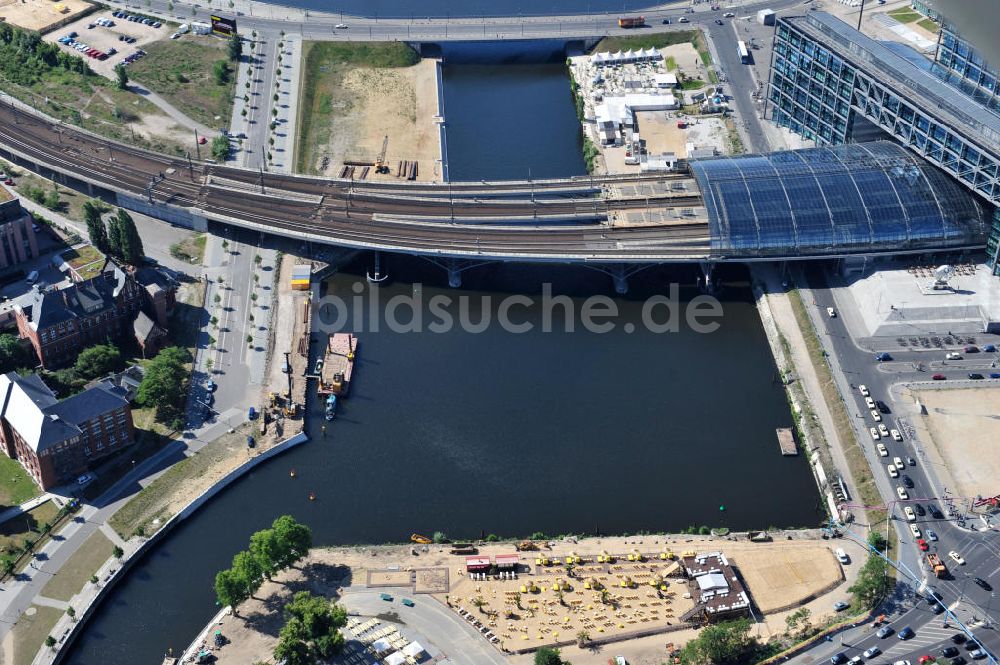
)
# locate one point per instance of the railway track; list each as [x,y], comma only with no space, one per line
[342,212]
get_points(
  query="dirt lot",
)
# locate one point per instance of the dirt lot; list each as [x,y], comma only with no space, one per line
[963,431]
[40,14]
[103,38]
[354,107]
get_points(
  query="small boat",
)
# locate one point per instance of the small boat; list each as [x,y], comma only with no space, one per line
[292,473]
[331,407]
[421,540]
[312,496]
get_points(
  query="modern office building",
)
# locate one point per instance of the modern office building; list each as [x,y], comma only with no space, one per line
[957,62]
[832,84]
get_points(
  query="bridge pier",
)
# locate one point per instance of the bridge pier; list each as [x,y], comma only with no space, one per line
[706,271]
[619,277]
[454,268]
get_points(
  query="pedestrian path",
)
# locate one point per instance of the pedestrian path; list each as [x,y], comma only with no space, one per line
[288,95]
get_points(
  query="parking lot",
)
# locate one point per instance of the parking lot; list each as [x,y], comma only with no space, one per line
[104,38]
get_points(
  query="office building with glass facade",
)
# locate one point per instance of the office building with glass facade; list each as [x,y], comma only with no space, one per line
[832,84]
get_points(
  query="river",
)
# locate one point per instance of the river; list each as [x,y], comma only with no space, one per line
[494,432]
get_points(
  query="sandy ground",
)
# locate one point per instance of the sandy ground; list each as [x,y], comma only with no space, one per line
[686,58]
[964,431]
[103,38]
[40,14]
[400,103]
[777,574]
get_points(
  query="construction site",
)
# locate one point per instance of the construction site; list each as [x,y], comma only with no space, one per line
[369,122]
[43,15]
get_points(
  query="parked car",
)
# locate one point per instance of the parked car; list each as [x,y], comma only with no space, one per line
[84,479]
[939,377]
[995,375]
[935,512]
[915,532]
[906,633]
[958,638]
[977,654]
[956,557]
[876,416]
[884,632]
[976,376]
[883,430]
[919,509]
[907,482]
[971,349]
[831,312]
[896,436]
[883,357]
[922,544]
[990,348]
[871,652]
[838,659]
[932,536]
[910,515]
[341,26]
[840,606]
[953,355]
[893,471]
[874,433]
[880,447]
[252,414]
[982,584]
[949,652]
[902,493]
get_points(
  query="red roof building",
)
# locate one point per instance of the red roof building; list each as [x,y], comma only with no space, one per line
[507,561]
[477,564]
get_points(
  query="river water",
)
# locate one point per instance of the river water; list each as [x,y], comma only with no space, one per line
[510,104]
[494,432]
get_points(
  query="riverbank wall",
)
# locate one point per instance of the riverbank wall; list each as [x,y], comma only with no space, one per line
[68,629]
[440,119]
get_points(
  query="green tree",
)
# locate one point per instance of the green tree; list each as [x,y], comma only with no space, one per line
[248,572]
[294,539]
[132,250]
[50,641]
[95,225]
[121,77]
[118,552]
[220,147]
[235,47]
[311,631]
[12,355]
[220,72]
[873,582]
[267,550]
[116,237]
[549,656]
[725,643]
[52,199]
[163,385]
[97,360]
[293,647]
[229,590]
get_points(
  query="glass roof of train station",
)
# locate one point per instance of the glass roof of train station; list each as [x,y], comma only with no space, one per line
[848,199]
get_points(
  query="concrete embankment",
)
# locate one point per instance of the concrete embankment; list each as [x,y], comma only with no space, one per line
[89,600]
[808,437]
[440,119]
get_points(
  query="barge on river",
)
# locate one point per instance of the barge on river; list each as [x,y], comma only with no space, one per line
[338,365]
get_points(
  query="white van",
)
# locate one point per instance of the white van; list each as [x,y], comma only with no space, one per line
[842,555]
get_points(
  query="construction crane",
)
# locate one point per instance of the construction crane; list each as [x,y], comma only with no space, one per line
[380,165]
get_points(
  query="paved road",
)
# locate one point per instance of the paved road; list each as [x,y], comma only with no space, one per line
[981,550]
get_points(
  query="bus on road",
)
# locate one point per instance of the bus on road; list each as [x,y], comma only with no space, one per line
[744,53]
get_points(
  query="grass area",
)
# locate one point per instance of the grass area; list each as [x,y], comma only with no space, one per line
[78,570]
[191,249]
[929,25]
[661,40]
[30,631]
[155,500]
[590,153]
[14,531]
[85,260]
[864,482]
[324,66]
[182,72]
[16,486]
[692,84]
[905,15]
[92,102]
[670,63]
[733,136]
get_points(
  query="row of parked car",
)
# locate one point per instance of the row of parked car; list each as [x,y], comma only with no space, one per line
[70,41]
[125,16]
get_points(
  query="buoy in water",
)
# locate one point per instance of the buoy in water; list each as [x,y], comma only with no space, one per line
[312,496]
[722,508]
[292,473]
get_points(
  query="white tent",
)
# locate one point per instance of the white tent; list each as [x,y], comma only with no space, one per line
[395,659]
[413,649]
[599,59]
[382,645]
